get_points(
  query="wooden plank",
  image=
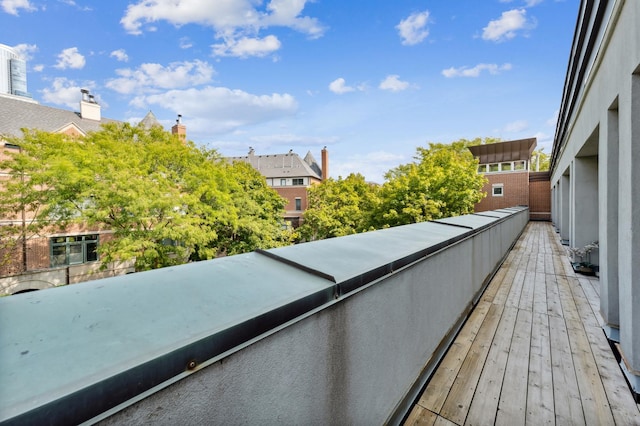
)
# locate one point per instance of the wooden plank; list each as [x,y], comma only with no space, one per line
[540,293]
[439,385]
[421,416]
[516,289]
[567,403]
[485,401]
[459,399]
[513,398]
[593,297]
[494,285]
[585,311]
[548,264]
[540,409]
[554,307]
[569,309]
[503,292]
[528,288]
[595,404]
[540,263]
[624,408]
[441,421]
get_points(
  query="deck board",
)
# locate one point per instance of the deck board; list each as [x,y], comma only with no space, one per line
[532,352]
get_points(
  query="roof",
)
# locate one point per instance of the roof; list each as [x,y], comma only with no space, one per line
[515,150]
[282,165]
[150,121]
[16,114]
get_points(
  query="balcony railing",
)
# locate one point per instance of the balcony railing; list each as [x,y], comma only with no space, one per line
[347,328]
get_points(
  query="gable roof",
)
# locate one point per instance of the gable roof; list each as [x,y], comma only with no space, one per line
[280,165]
[16,114]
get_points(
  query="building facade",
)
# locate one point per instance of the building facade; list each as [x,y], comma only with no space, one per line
[595,178]
[13,73]
[60,256]
[510,182]
[290,175]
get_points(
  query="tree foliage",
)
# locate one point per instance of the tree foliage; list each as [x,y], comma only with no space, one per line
[442,181]
[339,207]
[540,160]
[164,201]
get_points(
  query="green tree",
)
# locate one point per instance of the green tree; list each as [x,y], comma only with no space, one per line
[441,182]
[339,207]
[164,200]
[539,160]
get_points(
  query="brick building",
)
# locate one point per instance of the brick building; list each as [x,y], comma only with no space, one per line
[506,165]
[59,256]
[290,175]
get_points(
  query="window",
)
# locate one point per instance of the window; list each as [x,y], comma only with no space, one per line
[497,190]
[494,167]
[519,165]
[298,204]
[283,182]
[74,250]
[482,168]
[506,167]
[297,181]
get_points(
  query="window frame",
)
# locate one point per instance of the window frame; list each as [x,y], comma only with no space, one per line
[71,242]
[499,186]
[298,204]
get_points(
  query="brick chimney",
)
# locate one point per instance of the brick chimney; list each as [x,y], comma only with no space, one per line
[89,108]
[325,163]
[179,129]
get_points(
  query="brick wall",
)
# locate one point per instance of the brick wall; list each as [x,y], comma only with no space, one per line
[515,191]
[539,196]
[290,193]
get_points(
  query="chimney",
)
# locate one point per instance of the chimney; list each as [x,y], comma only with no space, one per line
[179,129]
[89,108]
[325,164]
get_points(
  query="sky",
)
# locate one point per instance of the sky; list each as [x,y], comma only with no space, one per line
[370,80]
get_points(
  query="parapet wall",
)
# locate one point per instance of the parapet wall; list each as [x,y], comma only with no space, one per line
[339,331]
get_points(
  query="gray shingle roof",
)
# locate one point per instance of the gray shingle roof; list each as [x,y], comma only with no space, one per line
[281,165]
[16,114]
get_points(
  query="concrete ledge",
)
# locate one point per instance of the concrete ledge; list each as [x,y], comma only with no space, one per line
[335,329]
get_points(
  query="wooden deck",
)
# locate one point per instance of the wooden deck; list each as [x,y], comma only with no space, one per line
[532,352]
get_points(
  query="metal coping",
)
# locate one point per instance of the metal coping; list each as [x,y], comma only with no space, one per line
[100,395]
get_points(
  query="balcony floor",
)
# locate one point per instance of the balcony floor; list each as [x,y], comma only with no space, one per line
[532,351]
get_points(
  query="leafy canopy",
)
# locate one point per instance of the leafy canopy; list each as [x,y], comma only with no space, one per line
[164,201]
[442,181]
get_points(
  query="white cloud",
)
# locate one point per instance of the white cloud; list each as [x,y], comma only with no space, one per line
[234,21]
[516,126]
[13,6]
[25,51]
[413,30]
[393,83]
[245,47]
[65,92]
[38,68]
[185,43]
[506,26]
[531,3]
[120,55]
[475,71]
[339,86]
[70,58]
[150,77]
[219,109]
[372,166]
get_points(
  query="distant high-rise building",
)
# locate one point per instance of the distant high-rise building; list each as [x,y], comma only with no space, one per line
[13,73]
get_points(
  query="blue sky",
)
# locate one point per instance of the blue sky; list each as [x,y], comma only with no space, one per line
[370,80]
